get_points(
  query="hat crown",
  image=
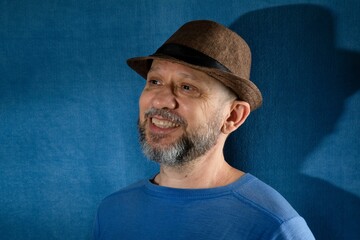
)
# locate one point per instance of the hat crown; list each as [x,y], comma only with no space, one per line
[218,42]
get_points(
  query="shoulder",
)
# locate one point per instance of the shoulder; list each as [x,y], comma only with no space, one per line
[265,199]
[272,206]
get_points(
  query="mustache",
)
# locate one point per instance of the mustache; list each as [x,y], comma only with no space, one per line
[166,114]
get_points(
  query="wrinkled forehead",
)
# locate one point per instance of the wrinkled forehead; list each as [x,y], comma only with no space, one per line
[164,67]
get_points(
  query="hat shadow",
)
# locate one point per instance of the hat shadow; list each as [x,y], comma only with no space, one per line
[305,81]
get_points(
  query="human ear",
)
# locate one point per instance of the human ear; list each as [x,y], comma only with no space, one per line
[239,112]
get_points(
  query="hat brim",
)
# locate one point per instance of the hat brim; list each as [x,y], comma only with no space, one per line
[245,89]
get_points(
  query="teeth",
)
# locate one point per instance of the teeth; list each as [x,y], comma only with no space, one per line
[163,123]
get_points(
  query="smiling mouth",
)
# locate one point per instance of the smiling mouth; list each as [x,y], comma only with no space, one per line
[162,123]
[164,119]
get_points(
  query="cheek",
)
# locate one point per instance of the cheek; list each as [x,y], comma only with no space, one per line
[144,102]
[208,111]
[194,111]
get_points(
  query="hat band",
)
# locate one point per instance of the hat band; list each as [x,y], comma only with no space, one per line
[190,55]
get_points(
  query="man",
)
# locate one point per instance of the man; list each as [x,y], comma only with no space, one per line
[197,92]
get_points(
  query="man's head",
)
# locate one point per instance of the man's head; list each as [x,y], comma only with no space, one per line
[213,49]
[194,95]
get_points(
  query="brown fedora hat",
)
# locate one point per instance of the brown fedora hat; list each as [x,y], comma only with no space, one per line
[211,48]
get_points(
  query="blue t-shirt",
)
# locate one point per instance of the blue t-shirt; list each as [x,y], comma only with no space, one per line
[245,209]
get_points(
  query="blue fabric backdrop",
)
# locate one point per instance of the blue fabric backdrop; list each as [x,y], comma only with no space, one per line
[68,106]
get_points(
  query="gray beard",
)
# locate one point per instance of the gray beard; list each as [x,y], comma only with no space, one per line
[187,148]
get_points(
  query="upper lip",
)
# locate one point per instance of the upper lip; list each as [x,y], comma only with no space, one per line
[164,116]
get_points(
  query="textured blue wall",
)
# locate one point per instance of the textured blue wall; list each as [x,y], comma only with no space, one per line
[68,106]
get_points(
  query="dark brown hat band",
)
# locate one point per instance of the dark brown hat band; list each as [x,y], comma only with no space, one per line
[190,56]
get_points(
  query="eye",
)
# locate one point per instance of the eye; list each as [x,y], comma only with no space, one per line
[189,90]
[187,87]
[153,83]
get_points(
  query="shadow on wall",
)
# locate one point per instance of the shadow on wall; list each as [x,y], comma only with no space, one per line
[305,81]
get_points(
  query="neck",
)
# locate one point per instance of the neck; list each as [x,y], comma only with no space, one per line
[208,171]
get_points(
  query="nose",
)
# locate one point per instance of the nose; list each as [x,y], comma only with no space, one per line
[165,99]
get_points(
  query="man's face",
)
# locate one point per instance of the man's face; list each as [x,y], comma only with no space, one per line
[180,113]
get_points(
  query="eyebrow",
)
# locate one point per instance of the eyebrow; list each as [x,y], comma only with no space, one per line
[152,68]
[189,76]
